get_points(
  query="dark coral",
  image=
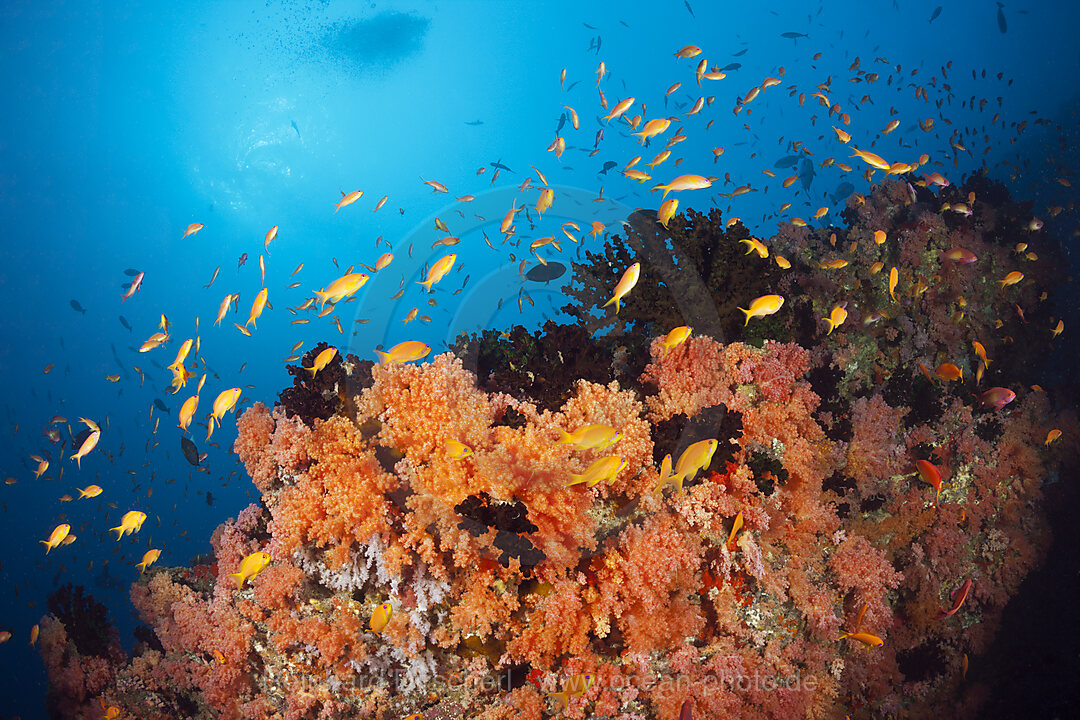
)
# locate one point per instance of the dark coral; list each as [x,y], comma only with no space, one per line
[543,367]
[511,523]
[694,273]
[768,471]
[84,618]
[331,389]
[675,435]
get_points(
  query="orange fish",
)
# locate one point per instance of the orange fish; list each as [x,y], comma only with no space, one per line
[348,199]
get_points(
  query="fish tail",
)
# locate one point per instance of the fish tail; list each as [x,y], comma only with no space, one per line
[577,480]
[563,698]
[384,357]
[747,316]
[47,544]
[564,437]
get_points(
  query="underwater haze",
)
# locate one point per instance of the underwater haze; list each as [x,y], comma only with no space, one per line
[843,490]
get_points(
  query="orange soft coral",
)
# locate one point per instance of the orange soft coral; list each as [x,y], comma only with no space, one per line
[340,501]
[644,583]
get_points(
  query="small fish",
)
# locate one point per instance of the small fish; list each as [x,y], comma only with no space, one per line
[404,352]
[189,451]
[77,307]
[438,271]
[958,597]
[321,360]
[250,566]
[131,522]
[457,450]
[937,11]
[676,337]
[380,618]
[836,318]
[1011,279]
[347,199]
[867,639]
[605,468]
[148,559]
[931,475]
[603,171]
[997,398]
[579,684]
[1002,25]
[589,437]
[192,229]
[626,284]
[762,306]
[343,287]
[136,285]
[56,537]
[949,372]
[959,255]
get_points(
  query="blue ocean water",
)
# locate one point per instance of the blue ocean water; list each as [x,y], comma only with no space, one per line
[125,123]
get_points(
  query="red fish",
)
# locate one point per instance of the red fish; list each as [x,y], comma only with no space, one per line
[959,255]
[930,475]
[997,397]
[958,596]
[136,284]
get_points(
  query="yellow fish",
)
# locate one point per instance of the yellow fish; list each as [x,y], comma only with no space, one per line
[1011,279]
[684,182]
[148,559]
[321,360]
[250,566]
[456,449]
[694,458]
[626,284]
[589,437]
[380,618]
[341,288]
[762,306]
[606,468]
[438,271]
[404,352]
[836,318]
[90,491]
[667,210]
[676,337]
[187,411]
[257,308]
[575,687]
[87,446]
[56,537]
[131,522]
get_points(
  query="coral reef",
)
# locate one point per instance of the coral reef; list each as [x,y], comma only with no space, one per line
[807,571]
